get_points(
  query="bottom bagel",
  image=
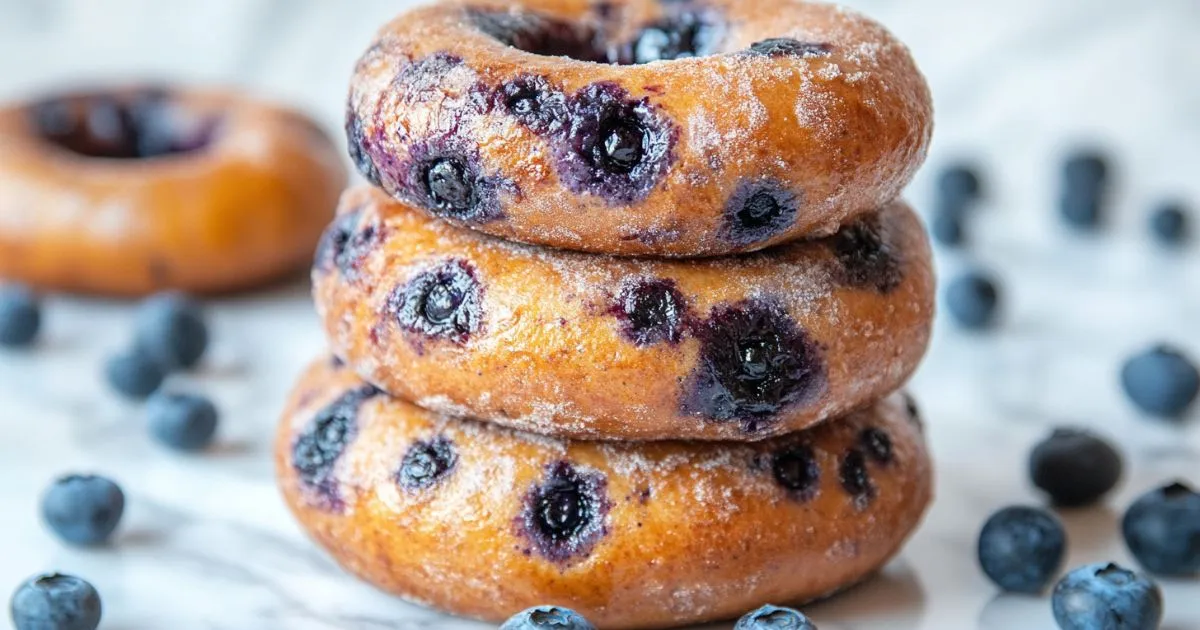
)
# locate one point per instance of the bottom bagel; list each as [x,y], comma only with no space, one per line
[483,521]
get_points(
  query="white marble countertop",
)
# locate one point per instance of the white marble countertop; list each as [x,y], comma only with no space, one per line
[208,544]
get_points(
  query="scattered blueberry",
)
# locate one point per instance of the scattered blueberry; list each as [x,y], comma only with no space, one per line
[774,618]
[1169,224]
[651,310]
[20,316]
[547,618]
[317,449]
[855,478]
[1106,597]
[1161,381]
[959,182]
[83,509]
[796,469]
[947,227]
[564,515]
[1021,549]
[55,602]
[425,463]
[1162,529]
[1083,210]
[1075,467]
[972,299]
[1085,170]
[170,328]
[184,422]
[134,374]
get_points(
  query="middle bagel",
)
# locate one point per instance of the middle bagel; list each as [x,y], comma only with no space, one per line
[597,347]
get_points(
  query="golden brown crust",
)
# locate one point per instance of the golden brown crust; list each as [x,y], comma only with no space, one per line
[829,134]
[542,340]
[677,533]
[243,211]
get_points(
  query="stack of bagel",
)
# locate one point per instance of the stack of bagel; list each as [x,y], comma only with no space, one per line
[622,321]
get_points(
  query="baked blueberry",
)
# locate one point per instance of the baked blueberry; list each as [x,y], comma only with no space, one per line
[83,509]
[797,470]
[346,243]
[134,374]
[20,316]
[140,125]
[443,302]
[1022,549]
[450,187]
[877,444]
[317,449]
[565,514]
[855,478]
[1106,597]
[55,601]
[774,618]
[758,211]
[1169,224]
[358,145]
[535,103]
[1162,530]
[184,422]
[754,363]
[171,329]
[866,258]
[959,182]
[1075,467]
[1161,381]
[679,36]
[651,311]
[789,47]
[972,299]
[547,618]
[426,463]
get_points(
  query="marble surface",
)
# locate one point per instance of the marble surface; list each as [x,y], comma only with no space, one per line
[208,544]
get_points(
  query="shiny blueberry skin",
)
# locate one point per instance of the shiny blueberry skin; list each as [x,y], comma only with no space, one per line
[547,618]
[651,311]
[171,329]
[83,509]
[774,618]
[1170,225]
[1106,597]
[973,299]
[1075,467]
[1161,381]
[1162,530]
[20,316]
[1021,549]
[565,514]
[184,422]
[758,211]
[133,374]
[445,302]
[55,601]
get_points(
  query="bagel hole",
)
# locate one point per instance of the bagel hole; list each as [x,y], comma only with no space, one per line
[140,125]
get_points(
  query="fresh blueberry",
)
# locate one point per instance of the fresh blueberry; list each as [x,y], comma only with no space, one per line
[1161,381]
[1106,597]
[972,299]
[1162,529]
[1169,224]
[1022,549]
[774,618]
[959,182]
[547,618]
[20,316]
[170,328]
[1085,170]
[947,226]
[1083,210]
[1075,467]
[83,509]
[54,601]
[134,374]
[184,422]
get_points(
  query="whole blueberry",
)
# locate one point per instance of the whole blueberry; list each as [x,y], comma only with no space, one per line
[960,182]
[1106,597]
[1021,549]
[54,601]
[1169,224]
[774,618]
[184,422]
[1162,530]
[134,374]
[1075,467]
[547,618]
[170,328]
[948,226]
[972,299]
[83,509]
[1082,209]
[1085,169]
[20,316]
[1161,381]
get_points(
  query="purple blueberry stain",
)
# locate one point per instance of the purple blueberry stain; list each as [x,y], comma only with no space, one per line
[345,244]
[541,34]
[877,445]
[447,177]
[650,311]
[796,469]
[426,463]
[316,451]
[758,211]
[865,257]
[565,514]
[358,145]
[855,478]
[426,75]
[443,302]
[789,47]
[754,364]
[535,103]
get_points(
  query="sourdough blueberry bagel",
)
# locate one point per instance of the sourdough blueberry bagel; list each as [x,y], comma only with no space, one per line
[139,189]
[484,521]
[640,127]
[601,347]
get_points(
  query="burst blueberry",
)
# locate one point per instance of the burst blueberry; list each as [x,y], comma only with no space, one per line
[171,329]
[796,469]
[774,618]
[866,257]
[443,302]
[184,422]
[758,211]
[564,514]
[134,374]
[1021,549]
[1106,597]
[1161,381]
[651,311]
[1162,530]
[426,463]
[855,478]
[55,601]
[83,509]
[319,447]
[973,299]
[20,316]
[547,618]
[1075,467]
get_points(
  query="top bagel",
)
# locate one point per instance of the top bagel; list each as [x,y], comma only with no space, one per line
[640,127]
